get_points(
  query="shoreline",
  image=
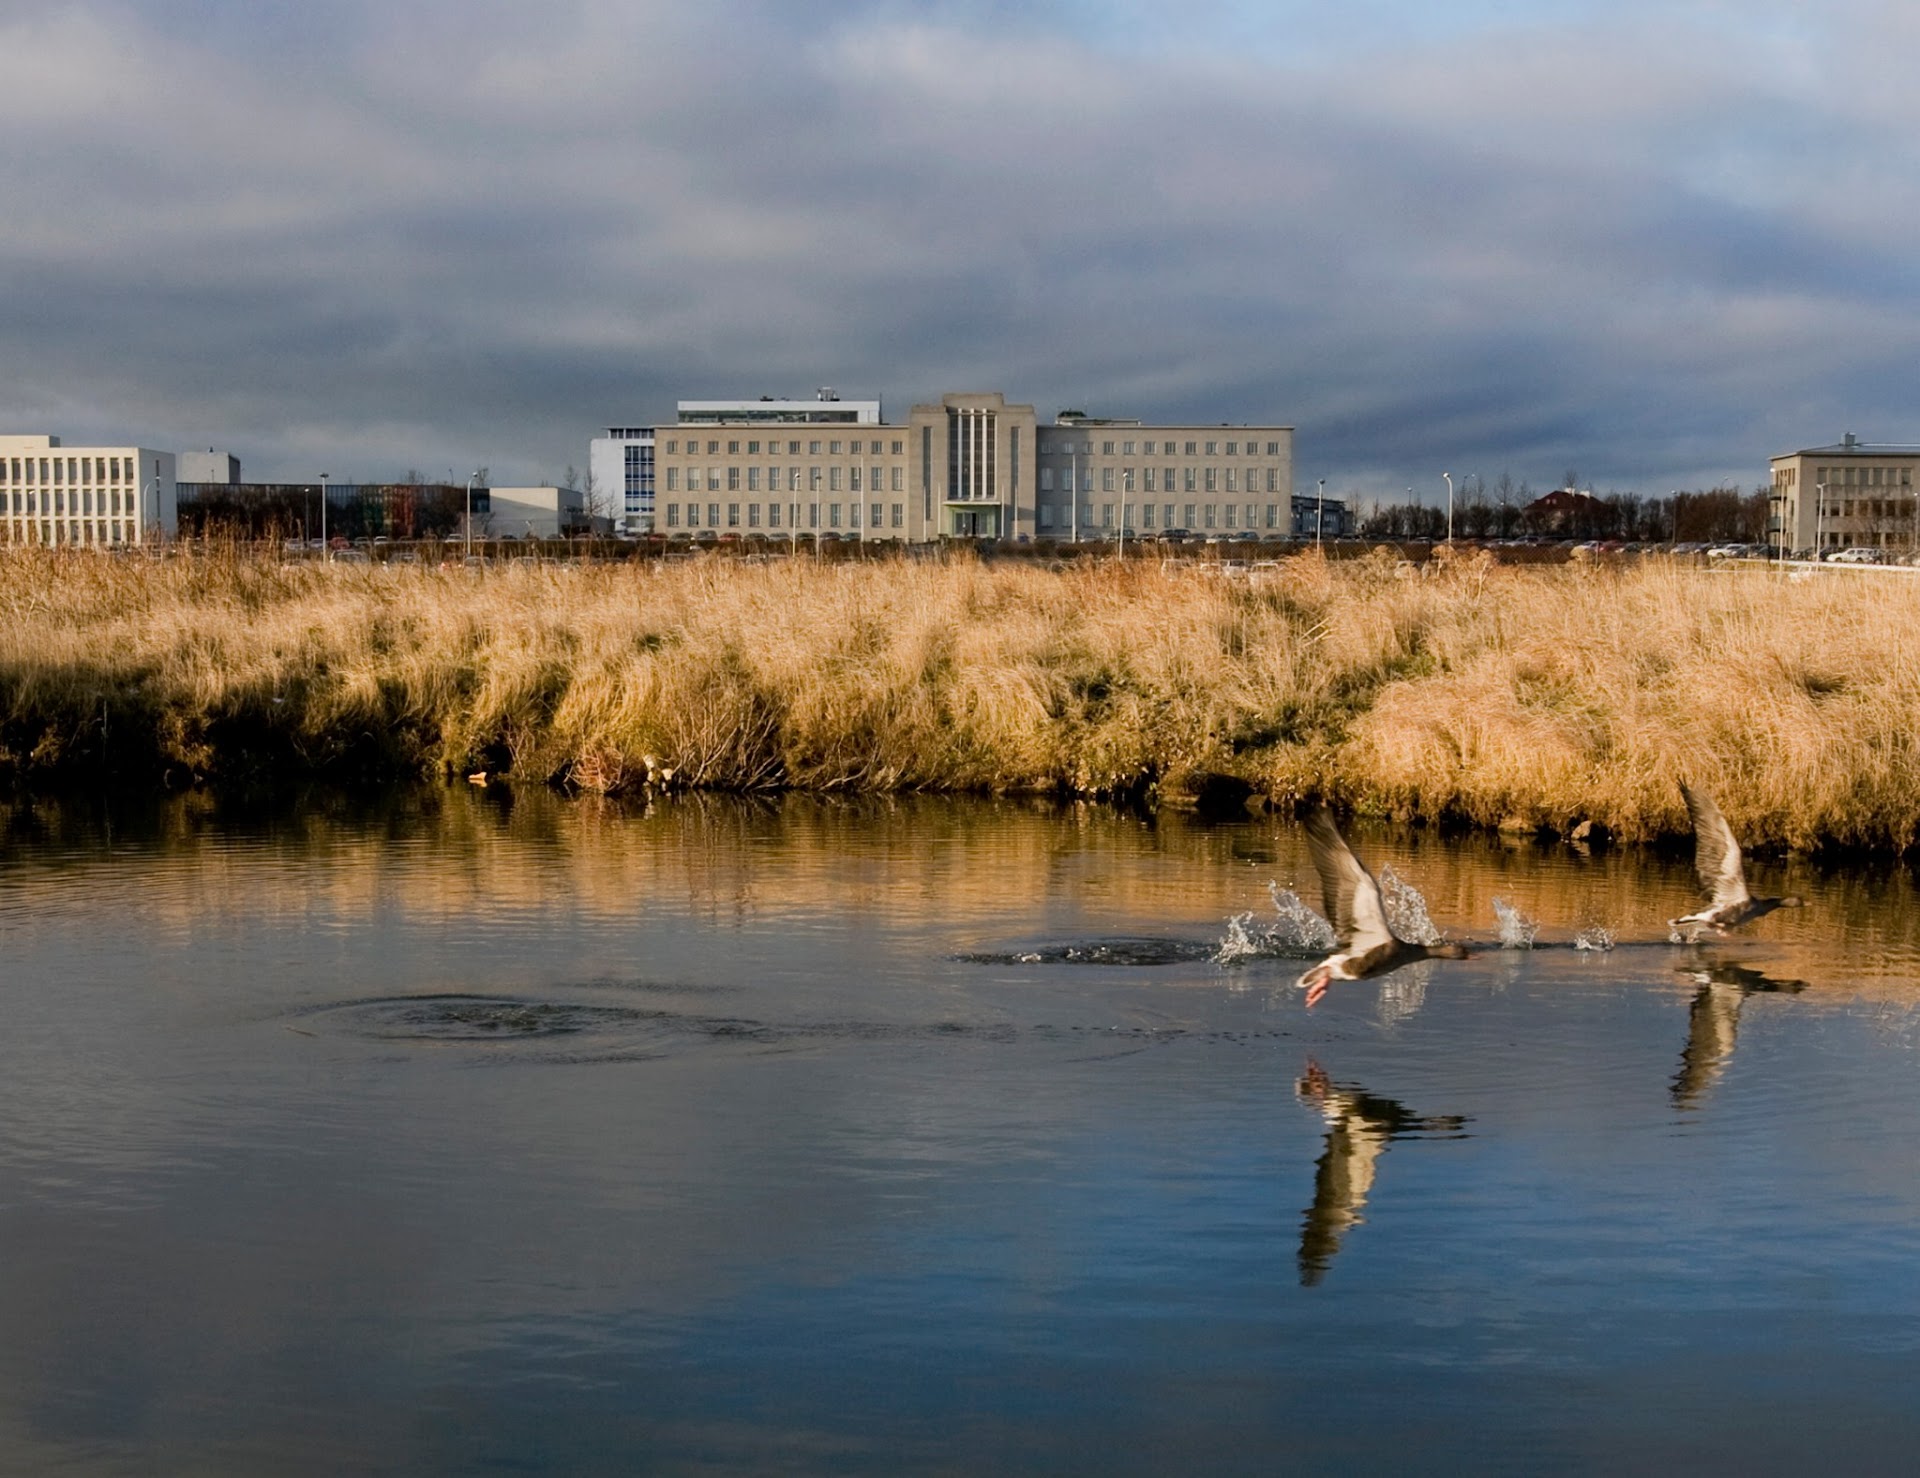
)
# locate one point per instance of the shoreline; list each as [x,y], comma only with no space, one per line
[1561,700]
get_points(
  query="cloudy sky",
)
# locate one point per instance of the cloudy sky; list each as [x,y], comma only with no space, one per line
[1652,243]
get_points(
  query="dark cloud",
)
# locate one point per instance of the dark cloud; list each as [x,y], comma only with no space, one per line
[1653,243]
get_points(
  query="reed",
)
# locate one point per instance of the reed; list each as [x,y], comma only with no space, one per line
[1523,697]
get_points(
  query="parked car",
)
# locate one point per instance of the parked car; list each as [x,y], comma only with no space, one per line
[1857,555]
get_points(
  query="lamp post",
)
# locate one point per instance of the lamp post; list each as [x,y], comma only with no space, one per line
[469,530]
[1819,516]
[1073,492]
[1449,477]
[326,553]
[1320,514]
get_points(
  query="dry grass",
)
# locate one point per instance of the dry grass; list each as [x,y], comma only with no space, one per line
[1525,697]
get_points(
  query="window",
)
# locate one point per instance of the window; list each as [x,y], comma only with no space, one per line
[673,479]
[773,515]
[1126,480]
[833,479]
[833,448]
[774,484]
[1106,479]
[1046,479]
[693,515]
[1146,515]
[1106,515]
[1208,512]
[1149,486]
[874,516]
[813,515]
[1273,515]
[753,479]
[753,449]
[1106,449]
[733,515]
[853,514]
[899,515]
[753,515]
[1193,449]
[793,448]
[1233,477]
[833,515]
[1189,522]
[673,445]
[713,515]
[1210,447]
[1273,449]
[1189,479]
[1126,448]
[899,448]
[733,479]
[813,449]
[1233,515]
[1046,515]
[733,449]
[1212,479]
[894,481]
[1233,449]
[813,479]
[713,449]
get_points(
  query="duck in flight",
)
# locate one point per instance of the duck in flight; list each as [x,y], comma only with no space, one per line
[1716,857]
[1367,944]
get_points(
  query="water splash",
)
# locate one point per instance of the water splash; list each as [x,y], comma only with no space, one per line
[1407,912]
[1295,931]
[1595,937]
[1516,929]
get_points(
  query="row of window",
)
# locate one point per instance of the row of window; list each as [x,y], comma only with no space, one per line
[77,471]
[1865,477]
[788,479]
[87,501]
[1164,480]
[69,531]
[878,515]
[835,448]
[1161,515]
[1049,448]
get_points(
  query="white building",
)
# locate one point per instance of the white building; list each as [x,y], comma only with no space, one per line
[620,478]
[535,513]
[93,496]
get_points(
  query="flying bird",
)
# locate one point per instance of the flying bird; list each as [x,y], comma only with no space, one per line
[1367,943]
[1716,857]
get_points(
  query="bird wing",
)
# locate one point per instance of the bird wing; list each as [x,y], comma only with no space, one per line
[1716,855]
[1352,897]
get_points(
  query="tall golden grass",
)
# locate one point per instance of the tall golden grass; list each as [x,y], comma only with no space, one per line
[1524,697]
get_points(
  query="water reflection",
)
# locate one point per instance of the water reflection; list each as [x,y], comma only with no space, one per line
[1360,1126]
[1713,1022]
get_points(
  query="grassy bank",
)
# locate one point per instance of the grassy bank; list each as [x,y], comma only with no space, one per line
[1524,697]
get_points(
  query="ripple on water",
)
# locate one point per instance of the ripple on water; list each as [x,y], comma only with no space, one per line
[1130,951]
[469,1018]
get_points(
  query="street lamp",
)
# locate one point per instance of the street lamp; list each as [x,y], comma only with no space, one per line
[470,483]
[1819,515]
[1320,513]
[1449,477]
[325,552]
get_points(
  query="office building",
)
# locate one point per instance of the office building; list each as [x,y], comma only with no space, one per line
[970,465]
[1852,494]
[84,496]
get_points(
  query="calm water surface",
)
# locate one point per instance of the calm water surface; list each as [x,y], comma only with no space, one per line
[469,1133]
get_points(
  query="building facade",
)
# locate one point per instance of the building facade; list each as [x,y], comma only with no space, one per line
[1851,494]
[91,497]
[971,465]
[620,478]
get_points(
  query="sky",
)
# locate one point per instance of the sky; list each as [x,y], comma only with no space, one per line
[1650,244]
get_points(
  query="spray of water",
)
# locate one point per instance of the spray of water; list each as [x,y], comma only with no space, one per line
[1295,931]
[1406,910]
[1516,929]
[1595,938]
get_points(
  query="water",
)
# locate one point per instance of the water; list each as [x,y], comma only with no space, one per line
[473,1132]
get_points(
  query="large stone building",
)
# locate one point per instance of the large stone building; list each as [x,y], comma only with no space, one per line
[1851,494]
[968,466]
[89,496]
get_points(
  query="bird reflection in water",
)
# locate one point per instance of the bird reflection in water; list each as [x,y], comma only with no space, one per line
[1713,1023]
[1359,1127]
